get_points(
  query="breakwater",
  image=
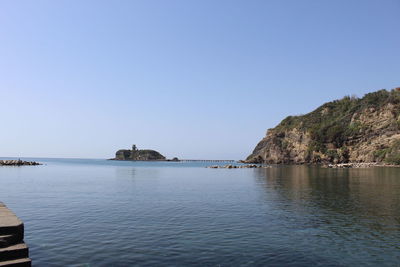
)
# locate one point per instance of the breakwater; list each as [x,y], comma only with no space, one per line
[17,162]
[13,250]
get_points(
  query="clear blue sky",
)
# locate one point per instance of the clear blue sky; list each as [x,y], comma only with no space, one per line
[192,79]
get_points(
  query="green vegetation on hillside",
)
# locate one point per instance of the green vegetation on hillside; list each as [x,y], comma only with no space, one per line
[390,155]
[331,123]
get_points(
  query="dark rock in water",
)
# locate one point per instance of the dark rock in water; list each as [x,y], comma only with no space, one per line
[18,163]
[138,154]
[175,159]
[230,166]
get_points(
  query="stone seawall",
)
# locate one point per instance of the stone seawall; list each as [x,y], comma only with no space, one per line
[13,251]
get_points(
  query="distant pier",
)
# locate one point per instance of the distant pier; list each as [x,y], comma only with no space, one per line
[13,250]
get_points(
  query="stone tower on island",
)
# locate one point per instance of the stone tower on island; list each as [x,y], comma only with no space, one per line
[138,154]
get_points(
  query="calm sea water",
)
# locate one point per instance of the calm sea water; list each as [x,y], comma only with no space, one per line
[108,213]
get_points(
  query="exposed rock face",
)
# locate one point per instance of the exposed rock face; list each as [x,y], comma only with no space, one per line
[348,130]
[136,154]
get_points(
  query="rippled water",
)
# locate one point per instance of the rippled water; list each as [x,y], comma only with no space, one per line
[108,213]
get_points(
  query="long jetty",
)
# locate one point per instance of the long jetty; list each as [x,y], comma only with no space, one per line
[13,251]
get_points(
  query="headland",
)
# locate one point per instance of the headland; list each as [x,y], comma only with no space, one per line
[347,131]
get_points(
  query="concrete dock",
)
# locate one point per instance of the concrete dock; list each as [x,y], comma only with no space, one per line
[13,251]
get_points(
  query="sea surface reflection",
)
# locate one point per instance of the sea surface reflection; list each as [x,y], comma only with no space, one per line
[105,213]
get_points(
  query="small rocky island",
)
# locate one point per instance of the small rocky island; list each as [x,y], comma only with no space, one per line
[139,154]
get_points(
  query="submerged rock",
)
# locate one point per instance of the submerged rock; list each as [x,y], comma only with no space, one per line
[358,165]
[230,166]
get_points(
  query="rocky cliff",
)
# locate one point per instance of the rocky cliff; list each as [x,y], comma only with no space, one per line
[136,154]
[352,129]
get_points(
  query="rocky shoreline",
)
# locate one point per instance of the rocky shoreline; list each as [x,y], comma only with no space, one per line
[354,165]
[351,129]
[18,163]
[358,165]
[230,166]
